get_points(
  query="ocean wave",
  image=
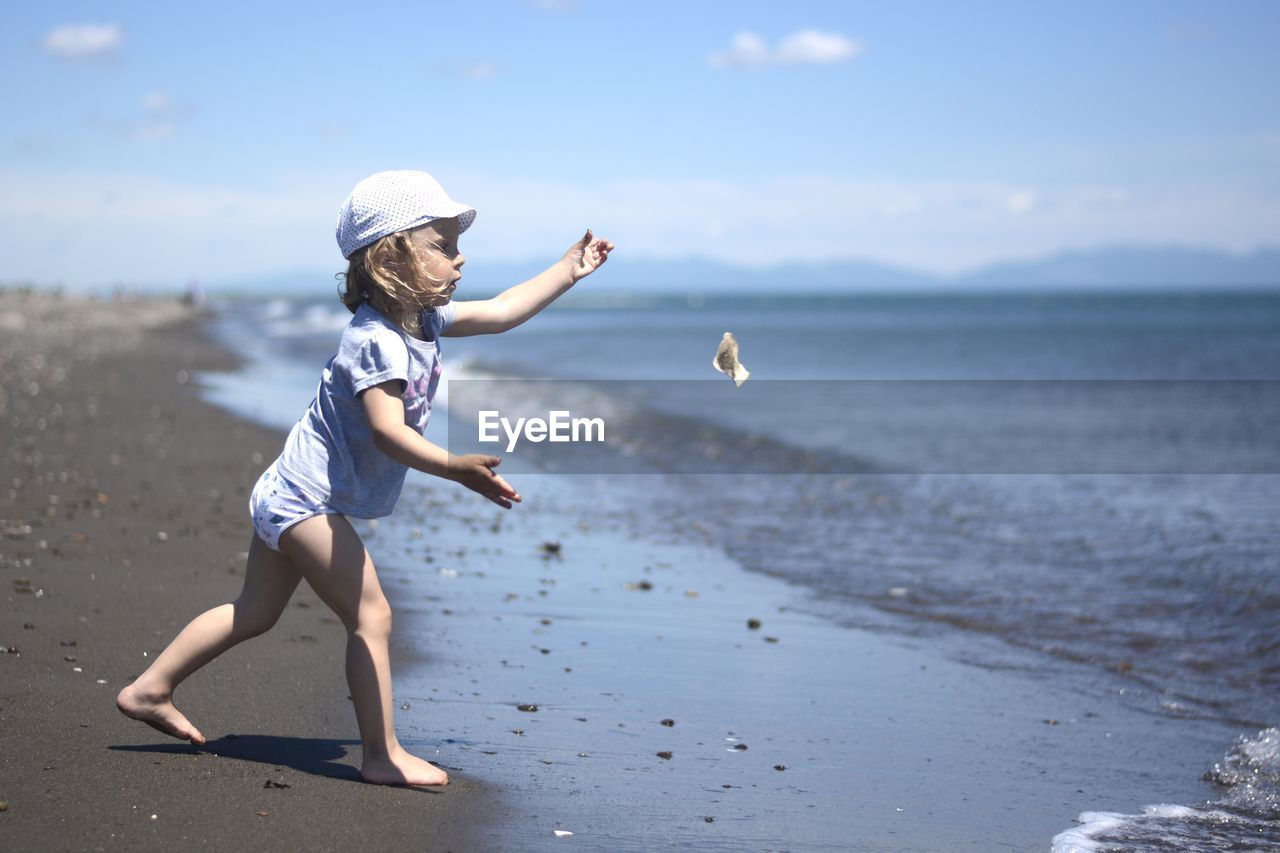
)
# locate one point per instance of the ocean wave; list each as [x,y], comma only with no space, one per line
[1247,817]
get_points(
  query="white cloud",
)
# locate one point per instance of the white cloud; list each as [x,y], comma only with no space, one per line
[943,226]
[1020,201]
[749,51]
[93,228]
[817,47]
[156,102]
[481,71]
[84,41]
[158,118]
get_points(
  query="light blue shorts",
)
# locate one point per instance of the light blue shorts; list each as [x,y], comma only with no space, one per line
[277,504]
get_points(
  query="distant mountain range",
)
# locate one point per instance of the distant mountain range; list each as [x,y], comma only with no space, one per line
[1113,268]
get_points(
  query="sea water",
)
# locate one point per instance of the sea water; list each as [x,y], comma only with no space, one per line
[1130,548]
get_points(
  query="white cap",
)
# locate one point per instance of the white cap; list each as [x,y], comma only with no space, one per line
[388,202]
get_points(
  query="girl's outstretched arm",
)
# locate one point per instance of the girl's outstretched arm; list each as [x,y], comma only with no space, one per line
[391,435]
[516,304]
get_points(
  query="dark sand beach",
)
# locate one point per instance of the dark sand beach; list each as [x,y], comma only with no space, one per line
[122,499]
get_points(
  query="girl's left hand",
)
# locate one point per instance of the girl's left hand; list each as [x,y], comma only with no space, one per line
[585,256]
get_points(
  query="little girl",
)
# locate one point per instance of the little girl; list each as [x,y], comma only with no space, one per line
[349,453]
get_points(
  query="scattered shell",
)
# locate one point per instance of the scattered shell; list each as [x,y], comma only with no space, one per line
[162,536]
[561,833]
[263,814]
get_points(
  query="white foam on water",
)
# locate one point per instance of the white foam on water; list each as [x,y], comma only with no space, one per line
[1246,818]
[311,319]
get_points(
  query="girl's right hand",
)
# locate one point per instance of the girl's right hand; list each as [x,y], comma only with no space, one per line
[475,471]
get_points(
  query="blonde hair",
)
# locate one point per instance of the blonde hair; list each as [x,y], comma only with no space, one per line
[393,277]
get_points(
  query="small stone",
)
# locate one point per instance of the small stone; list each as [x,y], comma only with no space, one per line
[404,706]
[162,536]
[550,547]
[754,624]
[668,722]
[709,819]
[527,707]
[771,639]
[263,814]
[665,755]
[740,747]
[779,767]
[271,783]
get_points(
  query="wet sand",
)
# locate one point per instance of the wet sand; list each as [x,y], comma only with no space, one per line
[786,731]
[122,516]
[885,743]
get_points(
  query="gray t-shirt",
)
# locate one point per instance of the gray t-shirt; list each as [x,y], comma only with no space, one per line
[330,452]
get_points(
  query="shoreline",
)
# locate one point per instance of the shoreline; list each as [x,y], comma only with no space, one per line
[865,724]
[122,498]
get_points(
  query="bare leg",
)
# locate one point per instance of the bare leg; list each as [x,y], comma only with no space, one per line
[269,581]
[330,555]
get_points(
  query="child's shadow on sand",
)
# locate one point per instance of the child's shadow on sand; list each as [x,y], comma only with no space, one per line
[318,756]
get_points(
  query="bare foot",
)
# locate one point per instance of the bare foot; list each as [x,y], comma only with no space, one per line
[403,769]
[157,712]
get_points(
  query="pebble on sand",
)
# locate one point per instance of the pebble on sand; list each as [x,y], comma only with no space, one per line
[527,707]
[665,754]
[754,624]
[668,722]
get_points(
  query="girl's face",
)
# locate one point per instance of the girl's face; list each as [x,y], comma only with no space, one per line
[437,244]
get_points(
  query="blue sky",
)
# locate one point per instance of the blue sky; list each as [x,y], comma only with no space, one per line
[154,142]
